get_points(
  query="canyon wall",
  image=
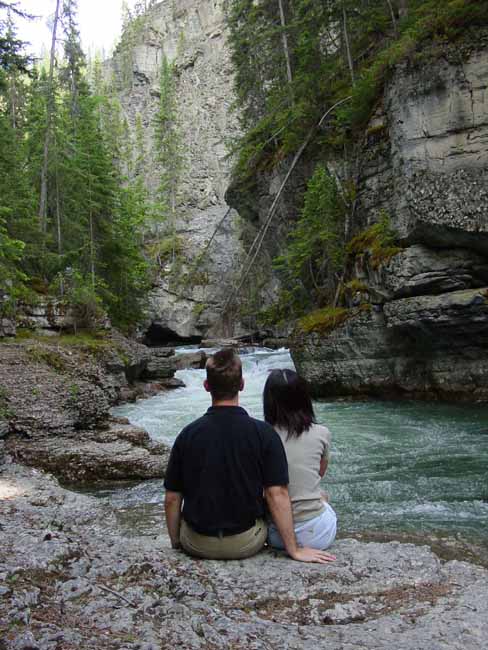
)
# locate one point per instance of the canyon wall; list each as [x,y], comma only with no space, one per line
[191,35]
[418,325]
[422,327]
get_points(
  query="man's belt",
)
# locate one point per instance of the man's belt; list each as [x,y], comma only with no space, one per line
[223,532]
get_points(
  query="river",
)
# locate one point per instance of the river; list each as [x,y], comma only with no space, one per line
[397,468]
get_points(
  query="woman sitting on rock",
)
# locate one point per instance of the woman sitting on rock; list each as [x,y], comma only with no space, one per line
[288,408]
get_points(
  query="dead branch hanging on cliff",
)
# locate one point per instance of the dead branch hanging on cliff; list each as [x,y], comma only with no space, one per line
[202,256]
[258,240]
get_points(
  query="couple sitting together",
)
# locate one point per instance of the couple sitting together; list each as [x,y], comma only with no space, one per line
[234,482]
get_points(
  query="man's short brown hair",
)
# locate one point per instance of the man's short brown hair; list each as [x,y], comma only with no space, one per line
[224,374]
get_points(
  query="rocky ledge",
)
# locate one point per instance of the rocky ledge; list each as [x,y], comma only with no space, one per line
[430,347]
[55,397]
[71,578]
[422,330]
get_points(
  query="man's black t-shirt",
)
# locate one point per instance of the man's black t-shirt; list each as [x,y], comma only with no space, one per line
[220,464]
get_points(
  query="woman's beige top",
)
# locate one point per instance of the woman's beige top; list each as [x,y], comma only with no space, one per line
[304,455]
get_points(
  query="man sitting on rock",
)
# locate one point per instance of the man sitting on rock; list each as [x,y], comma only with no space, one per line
[222,469]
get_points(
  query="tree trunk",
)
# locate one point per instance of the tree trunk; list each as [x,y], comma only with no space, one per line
[58,227]
[13,100]
[403,10]
[284,39]
[92,252]
[173,227]
[393,18]
[347,44]
[49,118]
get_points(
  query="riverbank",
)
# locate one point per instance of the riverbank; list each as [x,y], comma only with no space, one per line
[70,578]
[55,397]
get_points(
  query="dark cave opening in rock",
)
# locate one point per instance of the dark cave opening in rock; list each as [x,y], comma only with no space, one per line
[158,335]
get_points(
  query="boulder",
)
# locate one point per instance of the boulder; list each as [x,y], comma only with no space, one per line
[160,365]
[8,327]
[196,360]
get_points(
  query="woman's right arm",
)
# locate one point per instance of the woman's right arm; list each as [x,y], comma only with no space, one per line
[324,463]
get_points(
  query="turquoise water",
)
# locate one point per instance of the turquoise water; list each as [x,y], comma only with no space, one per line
[397,467]
[409,467]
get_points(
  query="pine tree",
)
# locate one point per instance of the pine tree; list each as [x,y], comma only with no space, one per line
[169,158]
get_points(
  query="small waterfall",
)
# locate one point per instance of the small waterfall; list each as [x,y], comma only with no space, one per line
[166,414]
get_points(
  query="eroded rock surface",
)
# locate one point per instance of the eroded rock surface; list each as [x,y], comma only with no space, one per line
[54,408]
[71,578]
[425,165]
[192,35]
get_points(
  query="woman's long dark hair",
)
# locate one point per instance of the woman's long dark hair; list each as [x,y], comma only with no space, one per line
[287,403]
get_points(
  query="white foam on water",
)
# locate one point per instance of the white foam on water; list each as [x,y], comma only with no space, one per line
[164,415]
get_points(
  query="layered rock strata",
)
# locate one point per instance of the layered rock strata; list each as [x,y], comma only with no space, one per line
[425,332]
[54,407]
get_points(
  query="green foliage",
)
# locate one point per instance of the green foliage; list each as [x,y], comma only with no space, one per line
[378,242]
[198,309]
[89,249]
[355,286]
[46,356]
[315,250]
[275,116]
[5,410]
[74,391]
[12,279]
[324,321]
[84,300]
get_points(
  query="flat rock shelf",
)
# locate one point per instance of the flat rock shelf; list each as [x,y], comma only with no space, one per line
[77,581]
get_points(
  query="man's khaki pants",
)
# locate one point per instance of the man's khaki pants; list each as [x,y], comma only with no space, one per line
[233,547]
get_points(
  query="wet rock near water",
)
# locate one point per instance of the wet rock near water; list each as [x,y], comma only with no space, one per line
[76,580]
[55,401]
[121,451]
[161,364]
[429,347]
[196,360]
[276,343]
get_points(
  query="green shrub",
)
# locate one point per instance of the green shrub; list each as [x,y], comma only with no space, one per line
[315,251]
[324,321]
[378,242]
[46,356]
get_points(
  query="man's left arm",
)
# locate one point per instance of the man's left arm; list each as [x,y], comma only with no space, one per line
[172,507]
[173,499]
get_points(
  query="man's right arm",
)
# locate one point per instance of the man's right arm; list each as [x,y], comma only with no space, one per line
[279,505]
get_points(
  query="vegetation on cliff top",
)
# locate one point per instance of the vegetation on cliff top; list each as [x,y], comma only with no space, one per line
[292,65]
[296,60]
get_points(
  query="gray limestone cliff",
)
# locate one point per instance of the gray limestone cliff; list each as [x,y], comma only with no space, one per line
[192,36]
[423,330]
[423,163]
